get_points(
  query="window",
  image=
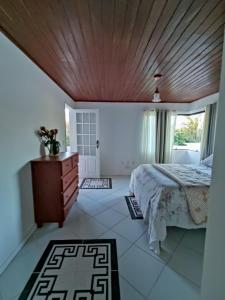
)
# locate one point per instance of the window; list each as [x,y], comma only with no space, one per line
[188,132]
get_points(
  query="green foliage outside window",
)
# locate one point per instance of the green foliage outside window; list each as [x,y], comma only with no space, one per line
[190,133]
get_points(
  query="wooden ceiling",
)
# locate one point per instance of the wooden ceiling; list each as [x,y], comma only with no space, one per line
[109,50]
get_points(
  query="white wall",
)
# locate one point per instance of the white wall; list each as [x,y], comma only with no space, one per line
[213,283]
[120,132]
[28,99]
[185,157]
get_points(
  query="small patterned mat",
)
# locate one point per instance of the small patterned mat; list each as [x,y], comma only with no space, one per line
[133,206]
[96,183]
[75,269]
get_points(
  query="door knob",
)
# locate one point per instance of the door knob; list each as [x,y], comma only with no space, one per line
[97,144]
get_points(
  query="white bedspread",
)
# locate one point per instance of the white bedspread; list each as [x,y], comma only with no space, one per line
[162,201]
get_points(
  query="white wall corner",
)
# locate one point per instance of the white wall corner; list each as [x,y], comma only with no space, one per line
[213,284]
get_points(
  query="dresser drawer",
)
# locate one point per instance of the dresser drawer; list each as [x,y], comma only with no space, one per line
[67,165]
[70,202]
[75,161]
[68,178]
[68,193]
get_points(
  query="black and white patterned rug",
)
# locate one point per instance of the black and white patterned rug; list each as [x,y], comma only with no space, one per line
[75,269]
[134,208]
[96,183]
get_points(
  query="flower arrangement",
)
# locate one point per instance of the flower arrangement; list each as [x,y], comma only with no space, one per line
[48,138]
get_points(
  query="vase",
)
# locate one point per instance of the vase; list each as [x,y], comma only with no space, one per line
[54,148]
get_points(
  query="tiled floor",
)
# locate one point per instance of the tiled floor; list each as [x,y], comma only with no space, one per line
[176,274]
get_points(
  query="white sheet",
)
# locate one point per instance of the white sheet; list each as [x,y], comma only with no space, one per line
[162,202]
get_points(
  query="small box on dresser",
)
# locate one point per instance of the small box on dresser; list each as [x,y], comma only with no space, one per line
[55,186]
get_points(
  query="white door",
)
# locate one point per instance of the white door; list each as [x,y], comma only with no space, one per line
[84,138]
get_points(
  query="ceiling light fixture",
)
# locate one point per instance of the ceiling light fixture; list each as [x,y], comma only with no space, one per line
[156,96]
[157,76]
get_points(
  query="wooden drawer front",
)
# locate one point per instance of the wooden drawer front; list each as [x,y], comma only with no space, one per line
[75,160]
[68,193]
[70,203]
[68,178]
[66,166]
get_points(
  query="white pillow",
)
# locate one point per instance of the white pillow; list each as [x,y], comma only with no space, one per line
[208,161]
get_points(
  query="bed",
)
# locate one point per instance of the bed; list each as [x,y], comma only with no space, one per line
[171,195]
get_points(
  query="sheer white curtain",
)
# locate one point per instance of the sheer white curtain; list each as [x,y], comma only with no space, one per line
[158,136]
[148,137]
[170,131]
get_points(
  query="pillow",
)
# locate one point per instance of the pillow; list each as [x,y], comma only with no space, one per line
[208,161]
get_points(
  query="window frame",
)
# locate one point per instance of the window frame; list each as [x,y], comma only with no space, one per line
[186,114]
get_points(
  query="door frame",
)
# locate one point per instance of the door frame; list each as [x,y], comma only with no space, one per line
[73,133]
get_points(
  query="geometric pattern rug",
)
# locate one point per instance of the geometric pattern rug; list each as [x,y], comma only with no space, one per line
[75,269]
[134,208]
[96,183]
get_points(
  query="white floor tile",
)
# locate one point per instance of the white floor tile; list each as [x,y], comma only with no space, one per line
[15,277]
[167,248]
[187,263]
[98,193]
[195,240]
[89,229]
[127,292]
[174,286]
[109,217]
[121,207]
[111,200]
[140,269]
[130,229]
[176,233]
[91,207]
[104,214]
[122,244]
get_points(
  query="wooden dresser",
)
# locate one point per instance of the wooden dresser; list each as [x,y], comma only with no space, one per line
[55,186]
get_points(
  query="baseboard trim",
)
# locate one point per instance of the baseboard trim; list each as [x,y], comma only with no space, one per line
[10,258]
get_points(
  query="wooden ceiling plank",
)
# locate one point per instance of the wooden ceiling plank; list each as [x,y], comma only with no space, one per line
[32,44]
[211,62]
[193,44]
[132,10]
[152,21]
[74,55]
[63,39]
[73,19]
[170,26]
[207,91]
[120,15]
[203,68]
[86,28]
[189,41]
[142,17]
[95,15]
[193,62]
[166,14]
[47,35]
[207,71]
[85,54]
[109,50]
[200,82]
[181,33]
